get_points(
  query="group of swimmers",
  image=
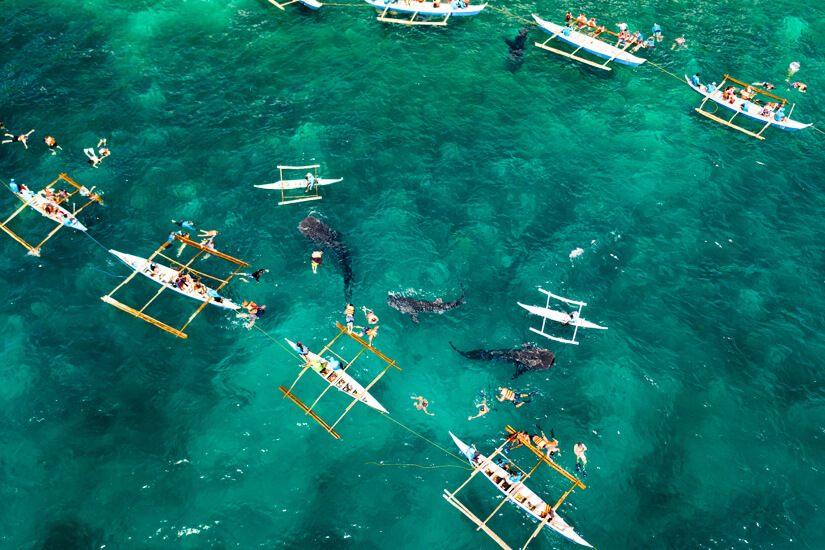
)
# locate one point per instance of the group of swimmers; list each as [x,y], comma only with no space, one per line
[94,158]
[372,319]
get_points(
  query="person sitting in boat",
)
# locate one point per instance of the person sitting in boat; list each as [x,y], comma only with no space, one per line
[50,209]
[516,477]
[547,511]
[767,111]
[567,31]
[695,80]
[573,318]
[310,182]
[302,350]
[726,93]
[780,115]
[745,106]
[657,32]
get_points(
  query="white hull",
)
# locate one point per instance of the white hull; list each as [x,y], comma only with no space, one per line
[530,503]
[311,4]
[560,317]
[296,184]
[754,112]
[345,383]
[592,45]
[426,8]
[166,277]
[38,201]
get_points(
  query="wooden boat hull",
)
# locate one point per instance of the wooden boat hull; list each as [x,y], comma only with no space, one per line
[716,97]
[38,202]
[166,277]
[529,504]
[589,44]
[427,9]
[560,317]
[297,184]
[311,4]
[348,381]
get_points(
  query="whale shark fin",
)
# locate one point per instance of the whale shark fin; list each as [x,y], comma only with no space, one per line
[414,317]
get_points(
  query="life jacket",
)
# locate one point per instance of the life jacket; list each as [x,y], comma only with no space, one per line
[350,310]
[508,395]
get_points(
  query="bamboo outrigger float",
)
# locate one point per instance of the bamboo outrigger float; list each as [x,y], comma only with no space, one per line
[589,43]
[745,107]
[50,207]
[162,277]
[445,9]
[516,492]
[308,194]
[360,395]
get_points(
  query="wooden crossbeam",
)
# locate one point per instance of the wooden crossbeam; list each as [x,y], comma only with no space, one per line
[549,462]
[136,271]
[472,517]
[334,384]
[317,418]
[226,257]
[319,355]
[208,299]
[366,345]
[481,466]
[14,236]
[541,526]
[511,491]
[564,496]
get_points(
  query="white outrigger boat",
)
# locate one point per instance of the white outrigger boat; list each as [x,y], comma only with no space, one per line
[40,202]
[573,319]
[311,4]
[747,108]
[590,44]
[308,183]
[342,381]
[165,276]
[445,9]
[517,493]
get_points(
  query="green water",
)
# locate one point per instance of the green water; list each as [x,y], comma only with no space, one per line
[702,406]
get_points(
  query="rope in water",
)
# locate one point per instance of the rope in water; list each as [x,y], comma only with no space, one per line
[420,466]
[818,130]
[424,438]
[682,80]
[512,15]
[109,274]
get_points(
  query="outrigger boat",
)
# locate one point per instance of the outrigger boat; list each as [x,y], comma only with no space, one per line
[311,4]
[747,108]
[49,206]
[445,9]
[309,194]
[516,492]
[573,319]
[165,276]
[588,43]
[342,381]
[352,388]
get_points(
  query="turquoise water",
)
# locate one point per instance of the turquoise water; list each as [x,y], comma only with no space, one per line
[702,406]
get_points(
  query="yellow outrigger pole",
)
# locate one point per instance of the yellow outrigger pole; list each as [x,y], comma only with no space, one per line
[308,410]
[151,320]
[512,492]
[35,249]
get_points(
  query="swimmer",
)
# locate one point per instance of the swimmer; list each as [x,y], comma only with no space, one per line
[518,399]
[316,260]
[371,332]
[348,313]
[550,444]
[372,318]
[657,32]
[185,224]
[766,85]
[246,277]
[422,405]
[800,86]
[482,410]
[678,43]
[21,138]
[211,233]
[50,141]
[579,449]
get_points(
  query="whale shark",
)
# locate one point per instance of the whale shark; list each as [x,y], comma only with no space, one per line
[527,358]
[517,44]
[413,307]
[326,238]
